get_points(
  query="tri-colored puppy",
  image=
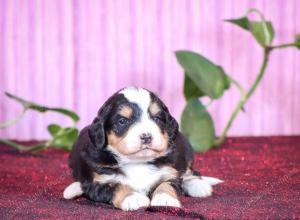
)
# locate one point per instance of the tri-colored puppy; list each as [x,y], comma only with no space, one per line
[132,155]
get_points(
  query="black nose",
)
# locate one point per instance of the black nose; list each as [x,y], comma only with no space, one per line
[146,138]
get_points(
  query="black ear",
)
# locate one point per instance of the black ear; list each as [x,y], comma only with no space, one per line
[172,127]
[97,128]
[97,133]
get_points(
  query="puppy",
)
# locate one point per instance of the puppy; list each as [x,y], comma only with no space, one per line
[132,155]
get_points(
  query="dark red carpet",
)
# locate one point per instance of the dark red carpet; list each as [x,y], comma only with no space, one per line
[262,181]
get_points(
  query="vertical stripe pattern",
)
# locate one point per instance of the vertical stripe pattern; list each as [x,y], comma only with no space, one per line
[76,53]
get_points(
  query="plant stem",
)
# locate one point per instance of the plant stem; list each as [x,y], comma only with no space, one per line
[22,147]
[239,86]
[283,46]
[13,121]
[245,97]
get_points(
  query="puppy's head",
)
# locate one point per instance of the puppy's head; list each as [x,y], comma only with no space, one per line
[135,125]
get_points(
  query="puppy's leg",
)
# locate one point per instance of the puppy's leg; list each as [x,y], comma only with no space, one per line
[198,186]
[165,195]
[128,200]
[73,190]
[120,196]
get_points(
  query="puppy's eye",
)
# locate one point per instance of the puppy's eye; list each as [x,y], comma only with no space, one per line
[123,121]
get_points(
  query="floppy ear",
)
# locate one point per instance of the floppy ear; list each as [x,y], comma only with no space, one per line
[171,123]
[172,126]
[97,128]
[97,133]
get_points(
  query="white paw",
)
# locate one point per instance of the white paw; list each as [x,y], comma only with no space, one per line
[163,199]
[135,201]
[197,187]
[73,190]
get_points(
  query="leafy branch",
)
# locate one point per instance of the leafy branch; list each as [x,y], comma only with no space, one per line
[204,78]
[62,138]
[201,78]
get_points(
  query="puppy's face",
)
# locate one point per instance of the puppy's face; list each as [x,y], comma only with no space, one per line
[137,126]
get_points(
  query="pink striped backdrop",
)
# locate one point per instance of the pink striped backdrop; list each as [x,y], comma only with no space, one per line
[75,54]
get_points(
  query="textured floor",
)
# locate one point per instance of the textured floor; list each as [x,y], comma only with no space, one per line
[262,181]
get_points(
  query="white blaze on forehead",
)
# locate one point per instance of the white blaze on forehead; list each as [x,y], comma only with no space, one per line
[139,96]
[144,124]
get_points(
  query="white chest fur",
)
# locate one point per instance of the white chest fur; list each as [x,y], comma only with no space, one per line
[141,177]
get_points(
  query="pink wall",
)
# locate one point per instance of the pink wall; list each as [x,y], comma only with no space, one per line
[75,54]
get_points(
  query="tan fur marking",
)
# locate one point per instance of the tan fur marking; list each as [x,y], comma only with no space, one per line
[154,108]
[173,173]
[120,194]
[166,140]
[188,175]
[98,177]
[165,187]
[188,172]
[117,143]
[126,111]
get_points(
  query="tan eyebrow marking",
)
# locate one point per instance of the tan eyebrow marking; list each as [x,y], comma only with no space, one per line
[154,108]
[126,111]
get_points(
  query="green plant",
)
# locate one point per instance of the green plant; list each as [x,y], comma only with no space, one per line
[204,78]
[62,138]
[201,78]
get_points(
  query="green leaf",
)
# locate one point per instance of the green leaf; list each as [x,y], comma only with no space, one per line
[40,108]
[208,77]
[297,41]
[197,125]
[54,129]
[65,138]
[242,22]
[67,112]
[263,33]
[226,79]
[190,89]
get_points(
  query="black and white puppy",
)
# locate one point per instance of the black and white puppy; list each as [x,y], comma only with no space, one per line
[132,155]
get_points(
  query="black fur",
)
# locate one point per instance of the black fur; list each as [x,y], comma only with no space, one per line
[99,192]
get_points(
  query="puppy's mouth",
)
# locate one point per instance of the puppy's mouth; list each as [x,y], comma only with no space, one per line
[145,150]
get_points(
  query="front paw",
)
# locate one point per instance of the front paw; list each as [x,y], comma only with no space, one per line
[164,199]
[134,202]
